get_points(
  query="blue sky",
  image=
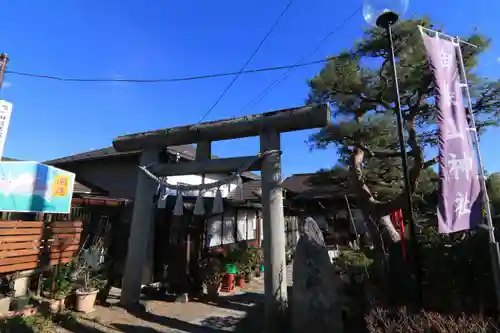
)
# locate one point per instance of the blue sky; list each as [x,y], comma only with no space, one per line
[167,38]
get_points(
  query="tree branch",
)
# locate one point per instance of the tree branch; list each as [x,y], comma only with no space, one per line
[431,162]
[362,189]
[380,153]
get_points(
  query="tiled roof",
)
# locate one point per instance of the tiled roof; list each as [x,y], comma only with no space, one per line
[297,183]
[80,188]
[251,191]
[300,185]
[90,155]
[186,151]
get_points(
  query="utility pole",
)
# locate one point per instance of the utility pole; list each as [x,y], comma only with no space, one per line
[4,59]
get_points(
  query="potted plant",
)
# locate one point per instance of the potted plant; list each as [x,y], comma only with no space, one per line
[86,295]
[57,288]
[63,289]
[6,292]
[212,272]
[242,271]
[257,261]
[249,263]
[254,258]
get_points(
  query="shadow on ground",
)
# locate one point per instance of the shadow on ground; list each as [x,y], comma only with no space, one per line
[250,303]
[242,302]
[212,324]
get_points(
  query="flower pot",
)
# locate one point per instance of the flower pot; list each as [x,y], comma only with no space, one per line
[258,273]
[4,304]
[85,300]
[231,269]
[213,289]
[240,281]
[57,305]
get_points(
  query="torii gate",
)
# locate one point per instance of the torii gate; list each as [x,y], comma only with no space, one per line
[268,126]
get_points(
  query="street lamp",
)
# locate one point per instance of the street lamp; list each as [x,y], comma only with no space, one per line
[384,14]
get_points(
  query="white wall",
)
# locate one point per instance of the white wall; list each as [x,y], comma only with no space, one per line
[196,180]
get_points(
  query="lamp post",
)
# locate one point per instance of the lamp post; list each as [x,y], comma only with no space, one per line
[384,14]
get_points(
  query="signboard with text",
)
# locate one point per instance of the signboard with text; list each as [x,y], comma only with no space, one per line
[5,113]
[35,187]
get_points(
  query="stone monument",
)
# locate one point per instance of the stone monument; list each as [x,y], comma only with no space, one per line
[316,305]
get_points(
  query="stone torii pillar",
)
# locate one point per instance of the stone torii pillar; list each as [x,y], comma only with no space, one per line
[274,242]
[268,126]
[141,229]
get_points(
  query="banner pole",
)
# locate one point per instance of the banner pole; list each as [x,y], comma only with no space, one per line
[439,33]
[494,248]
[351,218]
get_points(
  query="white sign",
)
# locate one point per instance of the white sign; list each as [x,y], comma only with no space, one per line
[333,254]
[5,113]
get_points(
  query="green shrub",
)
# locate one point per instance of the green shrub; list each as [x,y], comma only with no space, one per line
[63,285]
[30,324]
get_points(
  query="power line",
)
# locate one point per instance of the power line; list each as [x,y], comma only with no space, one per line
[277,82]
[248,60]
[165,80]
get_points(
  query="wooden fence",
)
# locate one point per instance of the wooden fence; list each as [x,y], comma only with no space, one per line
[27,245]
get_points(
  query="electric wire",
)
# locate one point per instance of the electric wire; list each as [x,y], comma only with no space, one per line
[262,95]
[301,61]
[275,24]
[167,80]
[164,80]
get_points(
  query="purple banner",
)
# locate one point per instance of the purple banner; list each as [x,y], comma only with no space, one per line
[459,206]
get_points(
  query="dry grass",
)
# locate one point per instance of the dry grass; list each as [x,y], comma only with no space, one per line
[383,321]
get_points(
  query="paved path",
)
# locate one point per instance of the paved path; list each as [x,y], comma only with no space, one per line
[167,317]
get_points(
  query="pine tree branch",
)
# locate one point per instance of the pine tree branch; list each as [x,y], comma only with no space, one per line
[414,172]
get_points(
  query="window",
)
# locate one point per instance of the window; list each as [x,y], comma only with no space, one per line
[214,231]
[252,224]
[228,228]
[241,221]
[243,226]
